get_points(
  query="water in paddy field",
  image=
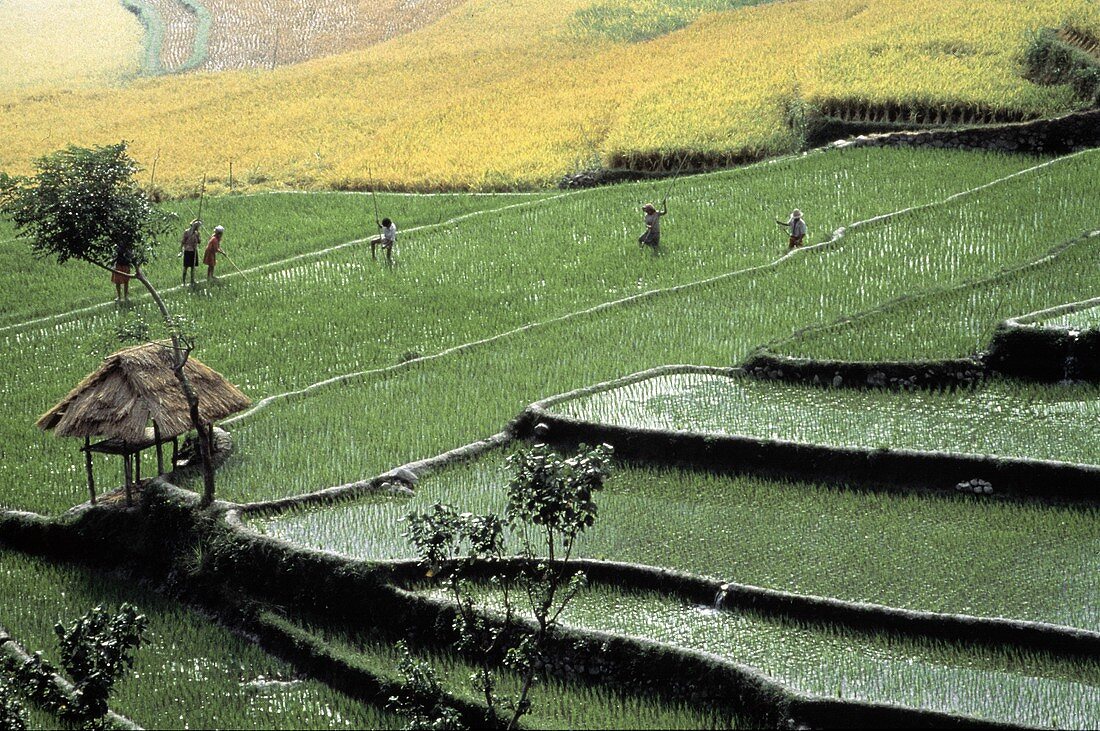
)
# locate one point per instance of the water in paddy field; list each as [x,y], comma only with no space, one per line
[1000,419]
[830,661]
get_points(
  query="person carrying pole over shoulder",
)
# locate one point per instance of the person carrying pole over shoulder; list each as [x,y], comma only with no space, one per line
[652,235]
[213,248]
[387,238]
[797,228]
[189,246]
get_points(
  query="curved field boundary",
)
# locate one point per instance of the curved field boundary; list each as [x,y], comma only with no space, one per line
[353,590]
[425,227]
[674,672]
[203,21]
[278,263]
[396,481]
[309,578]
[836,237]
[892,469]
[12,650]
[1059,640]
[1023,347]
[1042,637]
[767,363]
[154,34]
[1074,132]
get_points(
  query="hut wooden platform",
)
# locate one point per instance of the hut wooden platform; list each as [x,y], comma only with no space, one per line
[134,402]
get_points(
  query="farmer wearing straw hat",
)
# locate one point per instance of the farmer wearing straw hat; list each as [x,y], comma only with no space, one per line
[213,248]
[652,235]
[797,228]
[189,246]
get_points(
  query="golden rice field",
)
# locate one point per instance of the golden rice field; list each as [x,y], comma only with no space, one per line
[515,93]
[50,43]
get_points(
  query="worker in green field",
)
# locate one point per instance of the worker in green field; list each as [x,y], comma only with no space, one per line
[386,238]
[796,227]
[651,237]
[189,247]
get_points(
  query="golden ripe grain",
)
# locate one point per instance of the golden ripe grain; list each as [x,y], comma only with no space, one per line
[52,43]
[503,93]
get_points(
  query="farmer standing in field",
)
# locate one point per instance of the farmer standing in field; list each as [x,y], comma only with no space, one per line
[797,228]
[387,239]
[190,248]
[652,235]
[121,274]
[213,248]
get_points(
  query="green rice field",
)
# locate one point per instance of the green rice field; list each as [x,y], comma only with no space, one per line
[1002,418]
[557,703]
[1012,560]
[190,673]
[499,301]
[826,661]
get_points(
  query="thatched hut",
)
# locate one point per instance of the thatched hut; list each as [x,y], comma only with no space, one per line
[134,402]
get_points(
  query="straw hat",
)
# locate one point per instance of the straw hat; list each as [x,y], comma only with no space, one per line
[796,213]
[219,229]
[648,208]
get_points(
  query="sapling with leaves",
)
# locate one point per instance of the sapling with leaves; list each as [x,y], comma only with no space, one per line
[97,650]
[525,555]
[83,204]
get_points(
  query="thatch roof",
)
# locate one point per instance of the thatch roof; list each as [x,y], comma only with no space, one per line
[135,386]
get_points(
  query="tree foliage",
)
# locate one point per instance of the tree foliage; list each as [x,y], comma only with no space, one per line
[96,651]
[83,203]
[524,555]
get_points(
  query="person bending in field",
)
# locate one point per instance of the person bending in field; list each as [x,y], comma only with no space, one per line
[651,237]
[796,227]
[387,239]
[189,246]
[121,274]
[213,248]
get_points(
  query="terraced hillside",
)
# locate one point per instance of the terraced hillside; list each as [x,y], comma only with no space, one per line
[892,599]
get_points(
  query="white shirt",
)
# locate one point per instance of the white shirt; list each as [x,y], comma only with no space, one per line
[798,227]
[389,233]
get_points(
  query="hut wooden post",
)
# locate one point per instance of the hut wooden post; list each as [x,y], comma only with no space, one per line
[88,467]
[137,466]
[175,451]
[160,451]
[127,472]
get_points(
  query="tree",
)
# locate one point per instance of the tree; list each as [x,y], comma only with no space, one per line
[96,651]
[550,505]
[83,204]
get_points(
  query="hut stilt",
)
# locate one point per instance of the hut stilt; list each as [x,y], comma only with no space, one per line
[88,467]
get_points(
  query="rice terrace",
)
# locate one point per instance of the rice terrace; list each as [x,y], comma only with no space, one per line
[523,364]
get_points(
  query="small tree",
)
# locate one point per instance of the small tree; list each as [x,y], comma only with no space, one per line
[83,204]
[96,651]
[550,505]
